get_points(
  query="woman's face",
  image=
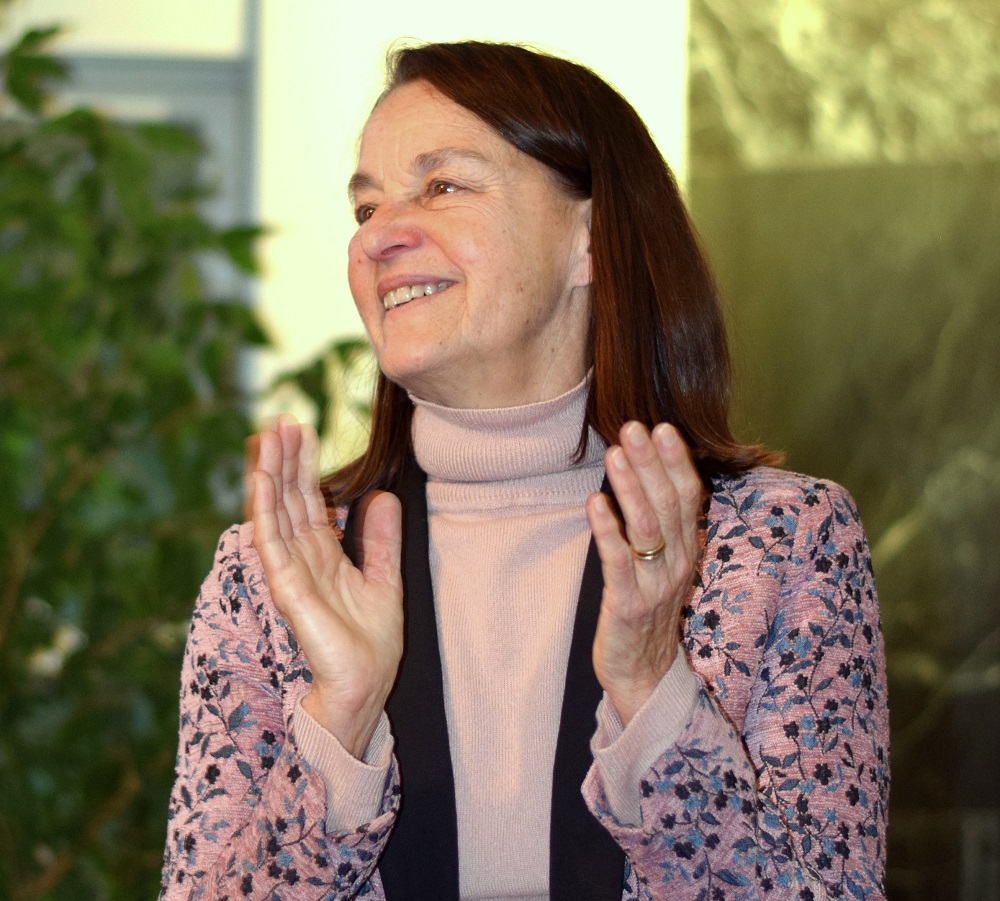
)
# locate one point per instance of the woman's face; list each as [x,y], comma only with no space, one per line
[496,255]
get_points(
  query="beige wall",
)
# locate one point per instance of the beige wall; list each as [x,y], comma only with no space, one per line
[176,27]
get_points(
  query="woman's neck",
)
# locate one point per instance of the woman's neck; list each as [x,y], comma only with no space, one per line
[503,444]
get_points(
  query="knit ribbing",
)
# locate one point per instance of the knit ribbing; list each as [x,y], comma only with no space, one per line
[508,538]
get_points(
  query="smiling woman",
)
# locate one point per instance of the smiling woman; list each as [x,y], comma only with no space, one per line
[443,200]
[393,677]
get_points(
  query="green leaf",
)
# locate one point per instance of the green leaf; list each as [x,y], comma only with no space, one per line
[238,244]
[237,316]
[350,351]
[171,138]
[311,380]
[34,40]
[27,71]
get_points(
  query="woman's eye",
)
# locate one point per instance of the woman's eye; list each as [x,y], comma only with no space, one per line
[363,213]
[442,187]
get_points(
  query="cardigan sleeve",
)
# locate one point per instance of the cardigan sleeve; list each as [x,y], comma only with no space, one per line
[624,755]
[247,816]
[782,793]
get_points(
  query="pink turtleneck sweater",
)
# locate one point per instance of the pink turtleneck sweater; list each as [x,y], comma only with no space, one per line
[508,540]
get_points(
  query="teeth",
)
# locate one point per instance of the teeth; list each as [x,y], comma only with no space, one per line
[405,294]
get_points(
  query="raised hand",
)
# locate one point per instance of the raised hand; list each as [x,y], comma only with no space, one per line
[648,570]
[348,621]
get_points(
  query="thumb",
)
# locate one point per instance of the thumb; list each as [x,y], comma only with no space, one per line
[252,445]
[381,536]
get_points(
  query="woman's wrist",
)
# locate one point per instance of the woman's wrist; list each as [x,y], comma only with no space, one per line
[353,729]
[628,693]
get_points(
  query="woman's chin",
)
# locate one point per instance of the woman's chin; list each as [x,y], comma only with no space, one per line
[413,373]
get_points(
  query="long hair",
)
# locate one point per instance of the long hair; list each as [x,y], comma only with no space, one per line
[657,340]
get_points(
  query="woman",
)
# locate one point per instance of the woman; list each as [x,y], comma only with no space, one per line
[553,495]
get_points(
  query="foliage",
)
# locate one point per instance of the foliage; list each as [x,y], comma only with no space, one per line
[336,384]
[122,423]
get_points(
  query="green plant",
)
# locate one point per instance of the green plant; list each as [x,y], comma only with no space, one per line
[122,421]
[336,386]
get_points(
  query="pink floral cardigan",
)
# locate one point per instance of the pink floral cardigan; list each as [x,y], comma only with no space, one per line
[776,789]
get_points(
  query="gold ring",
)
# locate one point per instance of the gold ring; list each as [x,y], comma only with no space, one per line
[651,554]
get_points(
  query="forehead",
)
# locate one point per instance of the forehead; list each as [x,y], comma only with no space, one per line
[416,119]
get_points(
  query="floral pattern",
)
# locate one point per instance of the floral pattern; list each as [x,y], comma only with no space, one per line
[776,789]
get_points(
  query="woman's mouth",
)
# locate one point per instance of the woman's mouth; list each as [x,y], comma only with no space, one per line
[405,294]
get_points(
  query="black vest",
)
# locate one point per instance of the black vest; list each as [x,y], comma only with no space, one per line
[420,860]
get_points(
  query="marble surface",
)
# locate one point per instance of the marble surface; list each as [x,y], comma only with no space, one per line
[845,175]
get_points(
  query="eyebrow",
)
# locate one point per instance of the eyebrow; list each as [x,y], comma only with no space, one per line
[424,163]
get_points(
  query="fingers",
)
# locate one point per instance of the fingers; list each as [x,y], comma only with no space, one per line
[290,433]
[252,445]
[617,563]
[658,492]
[381,536]
[643,496]
[267,535]
[309,478]
[267,479]
[286,457]
[679,467]
[657,488]
[300,445]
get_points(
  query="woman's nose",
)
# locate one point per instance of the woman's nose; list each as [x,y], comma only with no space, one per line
[389,232]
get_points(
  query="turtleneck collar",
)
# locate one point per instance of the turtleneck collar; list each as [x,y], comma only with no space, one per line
[456,445]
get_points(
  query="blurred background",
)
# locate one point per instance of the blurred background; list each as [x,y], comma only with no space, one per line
[172,231]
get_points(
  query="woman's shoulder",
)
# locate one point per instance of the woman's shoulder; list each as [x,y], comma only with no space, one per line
[235,539]
[236,580]
[235,549]
[767,491]
[781,518]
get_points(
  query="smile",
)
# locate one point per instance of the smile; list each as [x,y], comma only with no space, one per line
[405,294]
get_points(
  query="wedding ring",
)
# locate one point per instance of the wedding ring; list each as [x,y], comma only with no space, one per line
[651,554]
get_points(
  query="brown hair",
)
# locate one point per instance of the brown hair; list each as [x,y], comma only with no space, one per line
[657,340]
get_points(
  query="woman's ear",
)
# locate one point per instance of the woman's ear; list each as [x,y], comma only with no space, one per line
[583,270]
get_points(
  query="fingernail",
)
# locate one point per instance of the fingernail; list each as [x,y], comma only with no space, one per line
[618,458]
[635,433]
[665,434]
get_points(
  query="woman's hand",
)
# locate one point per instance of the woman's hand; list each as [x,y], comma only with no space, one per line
[348,621]
[659,493]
